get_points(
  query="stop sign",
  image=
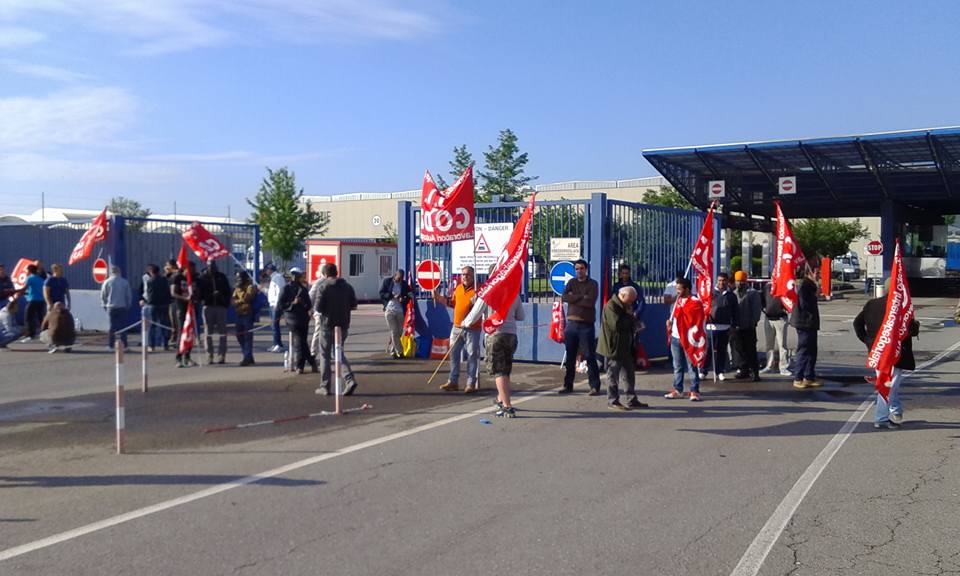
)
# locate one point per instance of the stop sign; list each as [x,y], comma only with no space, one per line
[428,274]
[875,247]
[100,270]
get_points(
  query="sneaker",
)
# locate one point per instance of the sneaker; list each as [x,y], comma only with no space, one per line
[497,406]
[277,349]
[469,389]
[896,418]
[52,350]
[594,392]
[209,360]
[811,383]
[616,405]
[245,362]
[192,363]
[506,412]
[636,403]
[703,375]
[322,391]
[351,388]
[26,340]
[785,372]
[799,384]
[565,390]
[766,370]
[673,395]
[181,364]
[694,396]
[222,360]
[756,377]
[449,387]
[888,424]
[740,375]
[721,377]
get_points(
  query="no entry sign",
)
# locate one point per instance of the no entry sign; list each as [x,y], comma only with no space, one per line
[100,270]
[788,185]
[717,188]
[875,247]
[428,274]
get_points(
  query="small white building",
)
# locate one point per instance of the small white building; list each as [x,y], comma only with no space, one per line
[363,263]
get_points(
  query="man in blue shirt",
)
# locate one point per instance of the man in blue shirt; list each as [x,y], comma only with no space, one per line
[36,306]
[56,288]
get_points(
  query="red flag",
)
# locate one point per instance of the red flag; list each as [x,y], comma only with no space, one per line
[183,261]
[19,276]
[97,232]
[204,244]
[689,315]
[558,322]
[789,258]
[188,334]
[702,260]
[447,216]
[503,285]
[885,352]
[409,320]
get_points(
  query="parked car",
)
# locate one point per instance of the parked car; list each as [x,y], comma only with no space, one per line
[846,266]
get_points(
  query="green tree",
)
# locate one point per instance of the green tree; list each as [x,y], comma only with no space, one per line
[285,219]
[504,168]
[123,206]
[827,237]
[390,235]
[462,159]
[667,196]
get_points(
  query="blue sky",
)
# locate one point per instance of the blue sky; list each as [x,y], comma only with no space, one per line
[189,100]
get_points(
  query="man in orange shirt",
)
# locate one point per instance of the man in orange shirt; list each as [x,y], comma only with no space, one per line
[468,342]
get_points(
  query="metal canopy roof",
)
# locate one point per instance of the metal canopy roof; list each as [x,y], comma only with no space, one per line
[843,176]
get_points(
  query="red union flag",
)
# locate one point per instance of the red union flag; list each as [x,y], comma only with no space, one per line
[557,322]
[95,233]
[204,244]
[447,216]
[503,285]
[409,320]
[688,313]
[19,276]
[702,261]
[885,352]
[789,258]
[188,335]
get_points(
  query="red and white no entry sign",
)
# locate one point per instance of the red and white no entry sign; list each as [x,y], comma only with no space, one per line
[875,247]
[428,274]
[100,270]
[718,188]
[788,185]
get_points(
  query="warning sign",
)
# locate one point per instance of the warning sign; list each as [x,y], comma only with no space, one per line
[490,240]
[564,249]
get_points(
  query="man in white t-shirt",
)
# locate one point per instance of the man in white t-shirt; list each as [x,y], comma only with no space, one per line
[277,282]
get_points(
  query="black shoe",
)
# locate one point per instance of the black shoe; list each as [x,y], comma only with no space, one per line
[616,405]
[889,425]
[635,403]
[245,362]
[756,377]
[594,392]
[740,375]
[350,388]
[565,391]
[299,370]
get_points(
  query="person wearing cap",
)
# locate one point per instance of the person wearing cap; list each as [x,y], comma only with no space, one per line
[295,304]
[744,338]
[276,286]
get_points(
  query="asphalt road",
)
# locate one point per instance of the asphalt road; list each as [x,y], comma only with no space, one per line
[430,483]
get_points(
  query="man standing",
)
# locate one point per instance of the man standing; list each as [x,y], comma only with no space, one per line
[315,289]
[56,288]
[617,345]
[580,295]
[244,294]
[116,297]
[745,336]
[155,299]
[681,363]
[337,301]
[277,285]
[182,293]
[775,332]
[465,340]
[295,303]
[724,316]
[35,310]
[395,293]
[806,319]
[215,292]
[170,271]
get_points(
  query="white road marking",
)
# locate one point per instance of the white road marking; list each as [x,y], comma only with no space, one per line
[936,358]
[214,490]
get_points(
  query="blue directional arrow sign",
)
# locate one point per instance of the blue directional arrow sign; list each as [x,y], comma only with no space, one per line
[560,274]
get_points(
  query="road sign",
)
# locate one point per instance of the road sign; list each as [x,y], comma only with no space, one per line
[560,274]
[428,274]
[874,247]
[100,270]
[787,185]
[564,249]
[488,242]
[717,188]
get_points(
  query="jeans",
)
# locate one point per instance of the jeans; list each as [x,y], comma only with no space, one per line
[717,344]
[245,335]
[621,371]
[577,337]
[775,336]
[468,344]
[118,321]
[317,334]
[680,365]
[275,315]
[892,404]
[395,325]
[327,345]
[158,316]
[805,361]
[215,322]
[33,317]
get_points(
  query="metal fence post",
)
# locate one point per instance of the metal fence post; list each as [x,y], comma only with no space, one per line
[121,420]
[405,240]
[598,249]
[144,341]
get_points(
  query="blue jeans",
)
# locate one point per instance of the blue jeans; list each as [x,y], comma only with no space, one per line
[275,316]
[681,365]
[467,345]
[245,335]
[158,316]
[118,321]
[892,404]
[805,360]
[580,337]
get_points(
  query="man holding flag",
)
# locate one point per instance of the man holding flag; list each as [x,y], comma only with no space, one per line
[886,325]
[688,344]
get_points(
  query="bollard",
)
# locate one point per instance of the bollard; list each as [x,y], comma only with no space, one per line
[144,340]
[121,424]
[337,351]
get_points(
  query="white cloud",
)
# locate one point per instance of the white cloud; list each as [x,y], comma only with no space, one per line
[17,37]
[42,71]
[79,117]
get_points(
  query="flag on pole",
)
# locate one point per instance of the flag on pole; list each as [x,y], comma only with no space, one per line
[204,244]
[789,258]
[702,261]
[689,315]
[503,285]
[887,346]
[97,232]
[447,216]
[188,333]
[558,322]
[409,320]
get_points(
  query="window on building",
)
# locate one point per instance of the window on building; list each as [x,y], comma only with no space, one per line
[386,265]
[356,264]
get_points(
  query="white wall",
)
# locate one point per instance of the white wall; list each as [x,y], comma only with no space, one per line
[87,312]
